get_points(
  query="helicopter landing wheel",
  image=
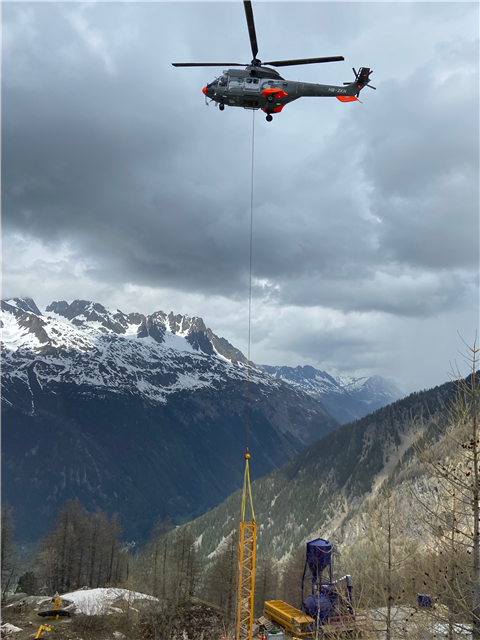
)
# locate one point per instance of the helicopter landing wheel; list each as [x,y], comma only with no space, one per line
[221,106]
[269,118]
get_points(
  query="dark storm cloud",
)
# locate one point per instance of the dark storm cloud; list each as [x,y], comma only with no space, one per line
[109,148]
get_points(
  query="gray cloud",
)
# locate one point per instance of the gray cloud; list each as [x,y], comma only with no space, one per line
[369,209]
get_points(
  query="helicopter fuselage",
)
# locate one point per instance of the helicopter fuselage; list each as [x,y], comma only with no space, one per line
[264,88]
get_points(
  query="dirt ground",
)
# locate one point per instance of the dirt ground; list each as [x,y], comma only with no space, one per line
[186,623]
[198,622]
[410,623]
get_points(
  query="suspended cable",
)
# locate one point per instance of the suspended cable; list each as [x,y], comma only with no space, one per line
[247,543]
[250,281]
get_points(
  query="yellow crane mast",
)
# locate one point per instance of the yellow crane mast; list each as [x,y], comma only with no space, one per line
[247,546]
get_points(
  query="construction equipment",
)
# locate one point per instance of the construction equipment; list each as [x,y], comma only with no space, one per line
[56,612]
[247,546]
[41,629]
[328,609]
[292,620]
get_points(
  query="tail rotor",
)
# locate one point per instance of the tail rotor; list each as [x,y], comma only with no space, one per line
[362,79]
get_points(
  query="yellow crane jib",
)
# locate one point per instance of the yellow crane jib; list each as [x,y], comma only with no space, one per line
[247,546]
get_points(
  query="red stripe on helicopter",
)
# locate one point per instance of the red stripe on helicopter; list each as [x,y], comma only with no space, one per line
[347,98]
[275,109]
[277,93]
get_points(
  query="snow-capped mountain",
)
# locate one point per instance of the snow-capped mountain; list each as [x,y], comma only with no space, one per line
[373,390]
[86,344]
[145,415]
[344,397]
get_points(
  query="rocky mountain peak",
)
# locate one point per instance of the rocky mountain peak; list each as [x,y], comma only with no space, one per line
[153,326]
[26,305]
[84,311]
[30,324]
[133,409]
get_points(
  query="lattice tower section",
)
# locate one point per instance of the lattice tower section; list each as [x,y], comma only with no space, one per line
[246,579]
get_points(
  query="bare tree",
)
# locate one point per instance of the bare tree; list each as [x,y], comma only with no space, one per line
[267,582]
[9,554]
[449,450]
[221,576]
[382,563]
[151,565]
[291,578]
[81,549]
[168,566]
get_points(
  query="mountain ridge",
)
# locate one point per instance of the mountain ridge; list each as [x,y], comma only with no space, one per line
[140,414]
[345,397]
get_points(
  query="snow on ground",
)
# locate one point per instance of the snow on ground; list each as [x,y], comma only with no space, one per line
[97,602]
[7,628]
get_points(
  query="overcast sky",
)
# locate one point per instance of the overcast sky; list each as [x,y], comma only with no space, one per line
[119,185]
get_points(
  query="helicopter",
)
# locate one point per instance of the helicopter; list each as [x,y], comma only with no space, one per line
[260,87]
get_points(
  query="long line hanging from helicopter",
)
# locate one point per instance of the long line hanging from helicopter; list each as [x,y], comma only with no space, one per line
[260,87]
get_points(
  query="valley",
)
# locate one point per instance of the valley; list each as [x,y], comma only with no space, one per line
[143,416]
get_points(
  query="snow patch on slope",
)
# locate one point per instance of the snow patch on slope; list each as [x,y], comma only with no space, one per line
[99,602]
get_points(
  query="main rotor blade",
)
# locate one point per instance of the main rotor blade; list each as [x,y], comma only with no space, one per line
[291,63]
[251,26]
[208,64]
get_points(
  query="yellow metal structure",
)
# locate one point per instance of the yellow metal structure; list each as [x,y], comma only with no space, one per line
[56,605]
[41,629]
[246,579]
[247,547]
[293,620]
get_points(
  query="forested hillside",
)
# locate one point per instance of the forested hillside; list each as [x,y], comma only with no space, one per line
[315,491]
[397,529]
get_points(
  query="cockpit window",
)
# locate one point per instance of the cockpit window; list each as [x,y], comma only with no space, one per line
[222,81]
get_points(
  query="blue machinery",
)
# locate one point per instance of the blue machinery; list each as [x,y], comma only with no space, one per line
[327,609]
[328,599]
